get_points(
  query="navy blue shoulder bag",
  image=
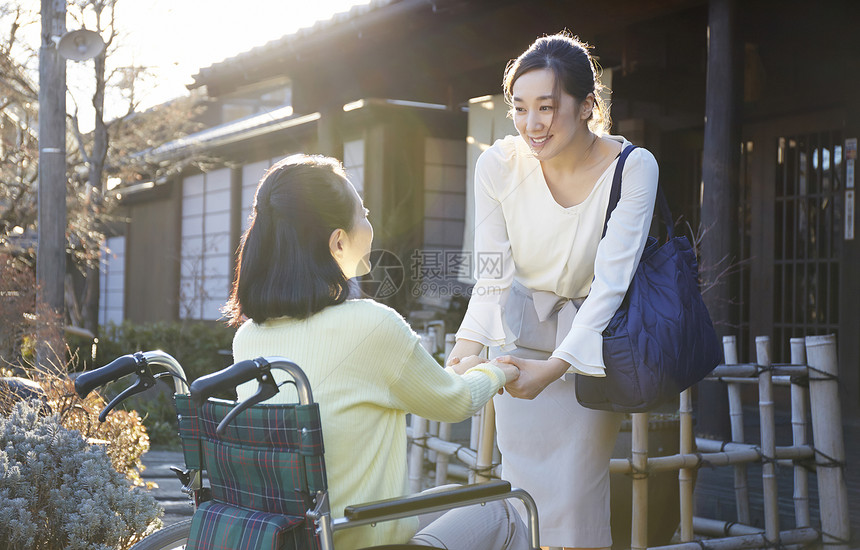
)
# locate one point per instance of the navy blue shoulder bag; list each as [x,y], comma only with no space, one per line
[661,340]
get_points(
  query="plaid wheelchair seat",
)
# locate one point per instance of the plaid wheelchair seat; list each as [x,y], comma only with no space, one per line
[263,472]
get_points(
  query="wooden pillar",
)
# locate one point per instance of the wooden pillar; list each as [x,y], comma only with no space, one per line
[329,131]
[720,171]
[51,252]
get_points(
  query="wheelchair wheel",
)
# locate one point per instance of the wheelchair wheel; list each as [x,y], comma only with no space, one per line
[172,537]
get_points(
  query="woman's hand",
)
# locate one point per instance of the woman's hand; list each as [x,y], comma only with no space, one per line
[534,376]
[463,348]
[461,366]
[512,372]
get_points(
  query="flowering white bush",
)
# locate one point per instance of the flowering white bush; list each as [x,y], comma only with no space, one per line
[59,492]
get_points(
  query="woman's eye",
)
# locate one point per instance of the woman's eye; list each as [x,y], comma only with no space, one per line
[519,109]
[546,108]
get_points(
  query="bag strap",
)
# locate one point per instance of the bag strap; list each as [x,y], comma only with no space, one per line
[615,196]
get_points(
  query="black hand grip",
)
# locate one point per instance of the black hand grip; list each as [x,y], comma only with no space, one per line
[264,391]
[225,379]
[116,369]
[143,383]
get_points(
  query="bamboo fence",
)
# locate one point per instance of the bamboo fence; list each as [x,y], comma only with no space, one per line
[812,376]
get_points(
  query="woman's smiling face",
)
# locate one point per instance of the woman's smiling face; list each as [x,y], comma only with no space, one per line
[547,125]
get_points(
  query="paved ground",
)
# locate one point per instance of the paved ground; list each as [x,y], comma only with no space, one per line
[176,505]
[714,488]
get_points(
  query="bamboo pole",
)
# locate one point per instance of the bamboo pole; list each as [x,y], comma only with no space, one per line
[794,536]
[736,416]
[750,371]
[775,380]
[799,399]
[639,462]
[696,460]
[475,437]
[789,452]
[442,459]
[768,441]
[485,445]
[827,436]
[416,456]
[432,431]
[686,476]
[478,423]
[716,528]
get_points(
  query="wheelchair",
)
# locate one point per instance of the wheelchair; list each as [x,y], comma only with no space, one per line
[265,463]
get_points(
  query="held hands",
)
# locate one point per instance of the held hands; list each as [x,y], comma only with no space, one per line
[534,374]
[460,366]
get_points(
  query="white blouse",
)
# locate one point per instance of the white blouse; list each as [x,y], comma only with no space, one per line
[523,234]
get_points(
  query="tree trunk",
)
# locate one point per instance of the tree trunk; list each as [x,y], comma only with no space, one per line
[96,191]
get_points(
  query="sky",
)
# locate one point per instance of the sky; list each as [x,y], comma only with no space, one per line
[179,37]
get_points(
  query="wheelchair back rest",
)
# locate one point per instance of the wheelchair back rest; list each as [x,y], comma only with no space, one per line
[270,458]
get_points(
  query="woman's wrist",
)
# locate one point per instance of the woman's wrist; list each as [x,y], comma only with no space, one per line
[556,367]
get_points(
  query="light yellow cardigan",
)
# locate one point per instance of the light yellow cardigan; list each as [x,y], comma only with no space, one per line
[367,369]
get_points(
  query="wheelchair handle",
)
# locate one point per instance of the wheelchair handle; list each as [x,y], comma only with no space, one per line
[116,369]
[252,369]
[130,364]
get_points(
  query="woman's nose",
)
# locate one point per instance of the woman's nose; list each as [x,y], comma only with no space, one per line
[534,121]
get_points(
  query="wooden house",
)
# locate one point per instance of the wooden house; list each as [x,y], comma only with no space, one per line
[751,108]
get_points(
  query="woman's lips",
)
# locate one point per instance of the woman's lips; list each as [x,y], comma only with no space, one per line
[538,142]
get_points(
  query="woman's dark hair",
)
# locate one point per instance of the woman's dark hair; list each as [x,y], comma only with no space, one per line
[285,266]
[576,72]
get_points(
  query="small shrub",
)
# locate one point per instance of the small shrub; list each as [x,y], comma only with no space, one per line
[122,432]
[58,492]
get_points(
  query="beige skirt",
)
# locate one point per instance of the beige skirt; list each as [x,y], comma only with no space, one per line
[559,452]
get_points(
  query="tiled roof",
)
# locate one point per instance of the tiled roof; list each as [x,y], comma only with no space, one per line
[290,39]
[231,132]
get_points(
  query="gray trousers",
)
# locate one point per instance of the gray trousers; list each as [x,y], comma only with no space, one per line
[492,526]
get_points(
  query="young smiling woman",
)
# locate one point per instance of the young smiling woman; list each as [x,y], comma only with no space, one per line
[308,235]
[540,202]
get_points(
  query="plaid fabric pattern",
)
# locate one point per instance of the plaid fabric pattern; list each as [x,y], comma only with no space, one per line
[281,427]
[263,473]
[219,526]
[269,481]
[189,431]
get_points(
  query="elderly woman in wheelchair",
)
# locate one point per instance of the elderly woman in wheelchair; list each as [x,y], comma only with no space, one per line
[308,236]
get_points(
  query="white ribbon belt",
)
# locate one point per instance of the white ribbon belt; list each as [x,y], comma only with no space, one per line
[548,304]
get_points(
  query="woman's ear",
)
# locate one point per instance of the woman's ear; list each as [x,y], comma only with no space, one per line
[586,107]
[337,243]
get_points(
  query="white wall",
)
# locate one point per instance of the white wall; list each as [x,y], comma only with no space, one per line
[444,193]
[112,282]
[205,271]
[353,163]
[251,175]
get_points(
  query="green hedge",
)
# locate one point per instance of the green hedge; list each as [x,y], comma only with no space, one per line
[196,345]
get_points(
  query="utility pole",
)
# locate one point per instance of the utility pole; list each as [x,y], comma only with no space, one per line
[51,252]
